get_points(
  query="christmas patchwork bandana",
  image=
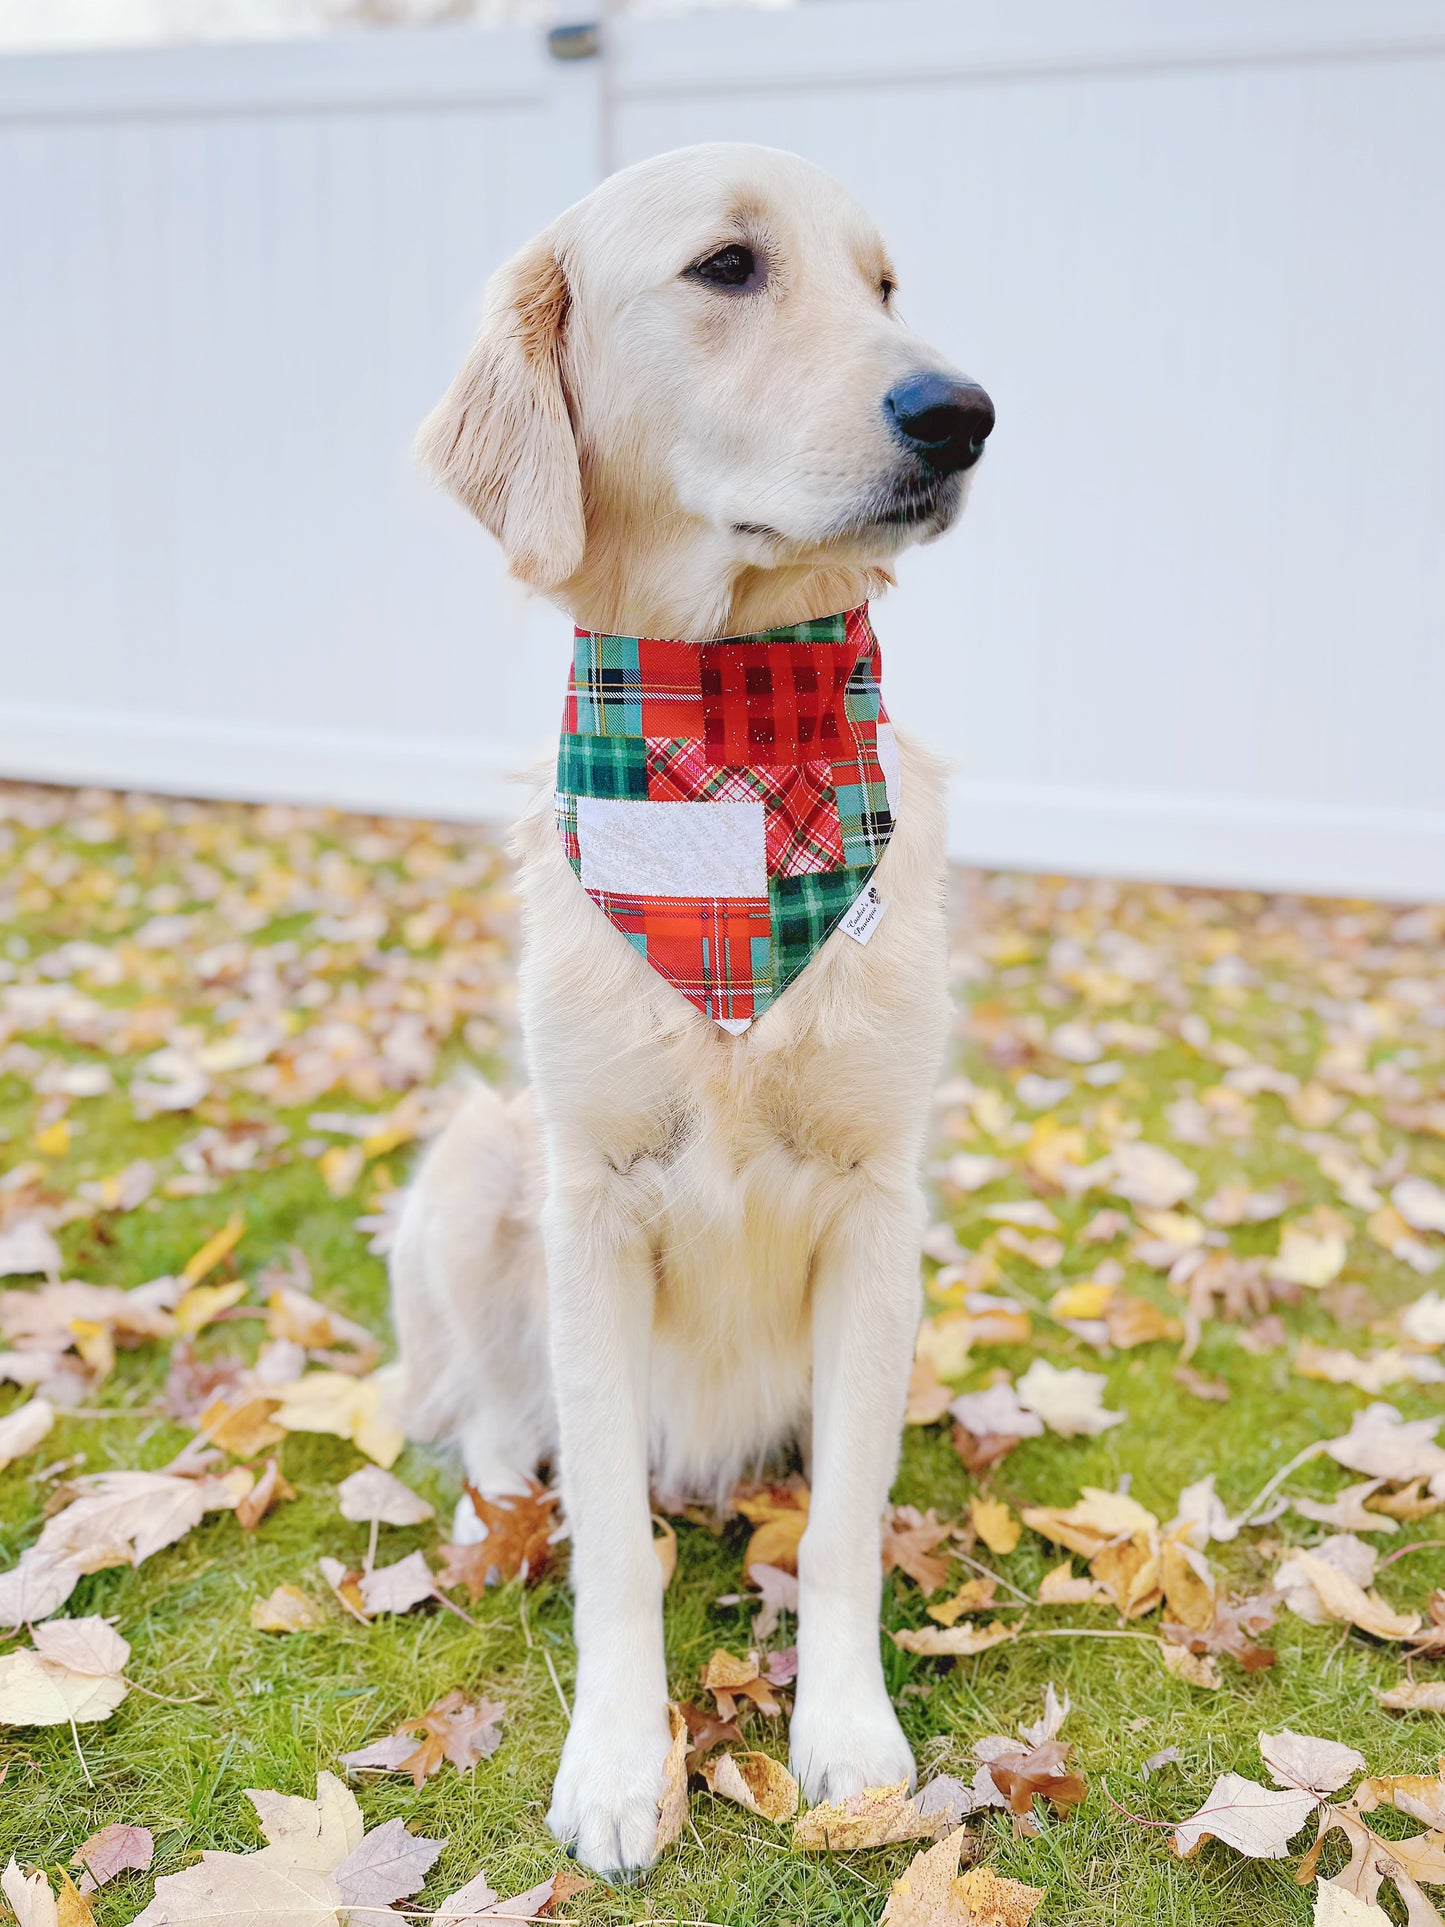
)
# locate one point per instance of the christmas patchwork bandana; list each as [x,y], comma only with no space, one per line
[724,804]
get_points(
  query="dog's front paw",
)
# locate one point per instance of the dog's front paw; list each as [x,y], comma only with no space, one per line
[837,1748]
[605,1802]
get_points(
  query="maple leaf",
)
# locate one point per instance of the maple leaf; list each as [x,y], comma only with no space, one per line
[1036,1772]
[1255,1820]
[1069,1402]
[72,1674]
[909,1541]
[932,1893]
[114,1850]
[518,1542]
[455,1728]
[387,1864]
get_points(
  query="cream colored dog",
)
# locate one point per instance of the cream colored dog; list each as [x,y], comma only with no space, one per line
[692,412]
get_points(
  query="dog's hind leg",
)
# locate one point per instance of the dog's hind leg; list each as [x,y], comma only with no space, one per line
[469,1298]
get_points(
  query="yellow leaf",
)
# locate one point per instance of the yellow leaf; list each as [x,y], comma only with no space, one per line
[346,1407]
[755,1781]
[392,1139]
[95,1344]
[54,1140]
[780,1515]
[876,1817]
[242,1430]
[286,1610]
[214,1250]
[1086,1300]
[995,1524]
[72,1907]
[990,1900]
[202,1303]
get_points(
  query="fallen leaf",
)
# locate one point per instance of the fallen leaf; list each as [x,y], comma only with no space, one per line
[242,1890]
[1037,1772]
[672,1800]
[1069,1402]
[398,1587]
[1382,1445]
[1342,1600]
[211,1253]
[1420,1203]
[1336,1908]
[932,1893]
[953,1642]
[729,1679]
[779,1516]
[286,1610]
[518,1542]
[269,1491]
[388,1864]
[910,1538]
[455,1728]
[114,1850]
[928,1396]
[372,1493]
[999,1530]
[1317,1766]
[358,1409]
[1415,1696]
[877,1817]
[1256,1821]
[753,1780]
[23,1429]
[1309,1258]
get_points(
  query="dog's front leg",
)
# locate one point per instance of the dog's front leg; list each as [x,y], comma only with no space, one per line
[845,1734]
[600,1298]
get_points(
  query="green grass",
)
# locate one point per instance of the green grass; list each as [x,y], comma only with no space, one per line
[250,1709]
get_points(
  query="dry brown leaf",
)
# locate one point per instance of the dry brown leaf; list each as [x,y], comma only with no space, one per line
[1255,1820]
[455,1728]
[753,1780]
[518,1545]
[1037,1772]
[268,1492]
[932,1893]
[974,1595]
[877,1817]
[672,1800]
[1060,1587]
[664,1544]
[1195,1669]
[910,1539]
[729,1680]
[779,1517]
[372,1493]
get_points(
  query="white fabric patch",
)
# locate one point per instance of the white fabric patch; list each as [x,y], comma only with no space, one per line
[888,761]
[672,849]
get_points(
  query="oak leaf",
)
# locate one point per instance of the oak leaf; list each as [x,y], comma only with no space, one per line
[519,1542]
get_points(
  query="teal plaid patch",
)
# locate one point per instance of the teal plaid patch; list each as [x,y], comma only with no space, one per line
[602,766]
[805,910]
[608,681]
[866,819]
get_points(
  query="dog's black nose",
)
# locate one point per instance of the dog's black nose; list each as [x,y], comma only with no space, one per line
[944,422]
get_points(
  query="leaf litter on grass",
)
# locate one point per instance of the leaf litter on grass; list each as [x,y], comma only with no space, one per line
[1189,1165]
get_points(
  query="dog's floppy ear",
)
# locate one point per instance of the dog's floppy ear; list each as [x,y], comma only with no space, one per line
[501,437]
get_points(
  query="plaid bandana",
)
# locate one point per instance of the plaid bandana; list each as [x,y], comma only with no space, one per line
[724,804]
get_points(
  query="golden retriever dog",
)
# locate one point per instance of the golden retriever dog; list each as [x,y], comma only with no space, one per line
[693,412]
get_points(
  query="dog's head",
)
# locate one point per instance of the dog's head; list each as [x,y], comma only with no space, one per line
[697,372]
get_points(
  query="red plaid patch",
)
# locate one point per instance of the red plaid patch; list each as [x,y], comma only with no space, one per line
[703,945]
[804,836]
[769,702]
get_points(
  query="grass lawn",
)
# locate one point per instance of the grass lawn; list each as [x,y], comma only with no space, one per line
[291,966]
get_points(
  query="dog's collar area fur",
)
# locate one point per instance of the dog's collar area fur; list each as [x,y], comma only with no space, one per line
[725,804]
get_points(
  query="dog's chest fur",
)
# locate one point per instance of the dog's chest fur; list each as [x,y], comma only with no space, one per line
[731,1157]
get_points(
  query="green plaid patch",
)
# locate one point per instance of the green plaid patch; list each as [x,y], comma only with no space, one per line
[602,766]
[805,911]
[825,629]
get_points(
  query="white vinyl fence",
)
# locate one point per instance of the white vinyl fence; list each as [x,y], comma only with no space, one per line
[1192,625]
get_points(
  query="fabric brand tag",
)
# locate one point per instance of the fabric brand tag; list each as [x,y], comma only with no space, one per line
[865,916]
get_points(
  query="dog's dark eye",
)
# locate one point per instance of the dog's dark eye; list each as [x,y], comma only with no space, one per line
[731,267]
[886,291]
